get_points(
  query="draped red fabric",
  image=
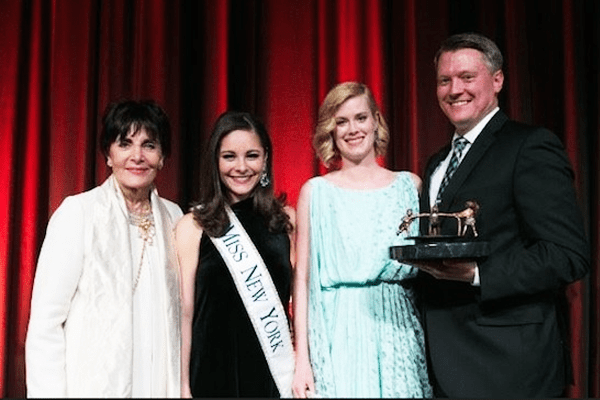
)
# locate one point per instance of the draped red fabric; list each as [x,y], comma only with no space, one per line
[62,62]
[8,113]
[289,91]
[216,80]
[575,291]
[27,104]
[411,65]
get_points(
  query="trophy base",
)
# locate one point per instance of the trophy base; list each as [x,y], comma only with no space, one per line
[436,250]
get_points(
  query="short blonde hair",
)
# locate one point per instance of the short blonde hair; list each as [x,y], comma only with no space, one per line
[323,141]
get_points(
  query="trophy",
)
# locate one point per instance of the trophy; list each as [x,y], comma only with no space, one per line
[465,244]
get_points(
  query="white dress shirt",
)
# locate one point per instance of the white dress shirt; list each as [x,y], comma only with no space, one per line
[440,171]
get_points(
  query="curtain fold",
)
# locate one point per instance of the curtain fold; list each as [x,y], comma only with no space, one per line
[287,81]
[72,79]
[576,292]
[64,61]
[10,19]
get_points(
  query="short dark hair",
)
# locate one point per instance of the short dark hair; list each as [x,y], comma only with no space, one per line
[492,56]
[120,117]
[210,210]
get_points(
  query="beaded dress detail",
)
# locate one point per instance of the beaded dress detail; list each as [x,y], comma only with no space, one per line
[365,335]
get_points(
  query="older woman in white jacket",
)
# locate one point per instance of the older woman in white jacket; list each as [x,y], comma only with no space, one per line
[105,307]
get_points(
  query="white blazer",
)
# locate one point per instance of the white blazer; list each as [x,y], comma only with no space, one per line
[80,336]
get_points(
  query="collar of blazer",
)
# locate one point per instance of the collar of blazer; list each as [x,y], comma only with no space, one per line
[476,152]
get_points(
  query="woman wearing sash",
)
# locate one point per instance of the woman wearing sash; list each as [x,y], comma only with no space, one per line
[105,306]
[356,325]
[230,348]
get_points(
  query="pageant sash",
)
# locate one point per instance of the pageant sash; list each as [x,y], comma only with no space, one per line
[260,297]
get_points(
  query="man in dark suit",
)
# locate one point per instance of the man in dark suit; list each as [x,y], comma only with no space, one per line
[495,327]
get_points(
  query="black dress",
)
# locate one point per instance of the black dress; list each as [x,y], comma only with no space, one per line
[226,358]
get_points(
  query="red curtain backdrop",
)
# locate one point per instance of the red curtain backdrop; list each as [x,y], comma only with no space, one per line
[63,61]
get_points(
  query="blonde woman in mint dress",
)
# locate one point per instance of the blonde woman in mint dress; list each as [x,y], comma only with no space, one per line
[357,330]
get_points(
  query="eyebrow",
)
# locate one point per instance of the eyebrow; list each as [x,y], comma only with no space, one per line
[360,113]
[233,151]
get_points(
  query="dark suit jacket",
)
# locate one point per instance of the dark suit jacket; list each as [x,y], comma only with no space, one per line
[506,338]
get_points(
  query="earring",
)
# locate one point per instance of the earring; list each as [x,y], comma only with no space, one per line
[264,179]
[109,163]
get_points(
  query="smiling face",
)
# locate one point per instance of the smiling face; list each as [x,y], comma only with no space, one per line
[354,134]
[466,89]
[241,161]
[135,160]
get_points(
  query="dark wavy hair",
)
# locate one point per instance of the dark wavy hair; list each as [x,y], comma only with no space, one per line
[209,211]
[120,117]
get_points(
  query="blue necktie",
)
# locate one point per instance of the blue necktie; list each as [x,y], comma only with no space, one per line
[458,147]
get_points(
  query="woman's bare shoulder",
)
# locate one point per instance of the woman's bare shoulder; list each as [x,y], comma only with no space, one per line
[187,228]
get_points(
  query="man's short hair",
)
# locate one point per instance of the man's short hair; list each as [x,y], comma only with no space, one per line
[491,53]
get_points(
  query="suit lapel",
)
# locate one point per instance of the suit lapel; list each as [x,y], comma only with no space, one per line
[476,152]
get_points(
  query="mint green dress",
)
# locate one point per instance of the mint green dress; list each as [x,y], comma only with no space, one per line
[365,336]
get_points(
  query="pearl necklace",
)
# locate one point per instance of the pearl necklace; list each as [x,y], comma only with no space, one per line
[145,223]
